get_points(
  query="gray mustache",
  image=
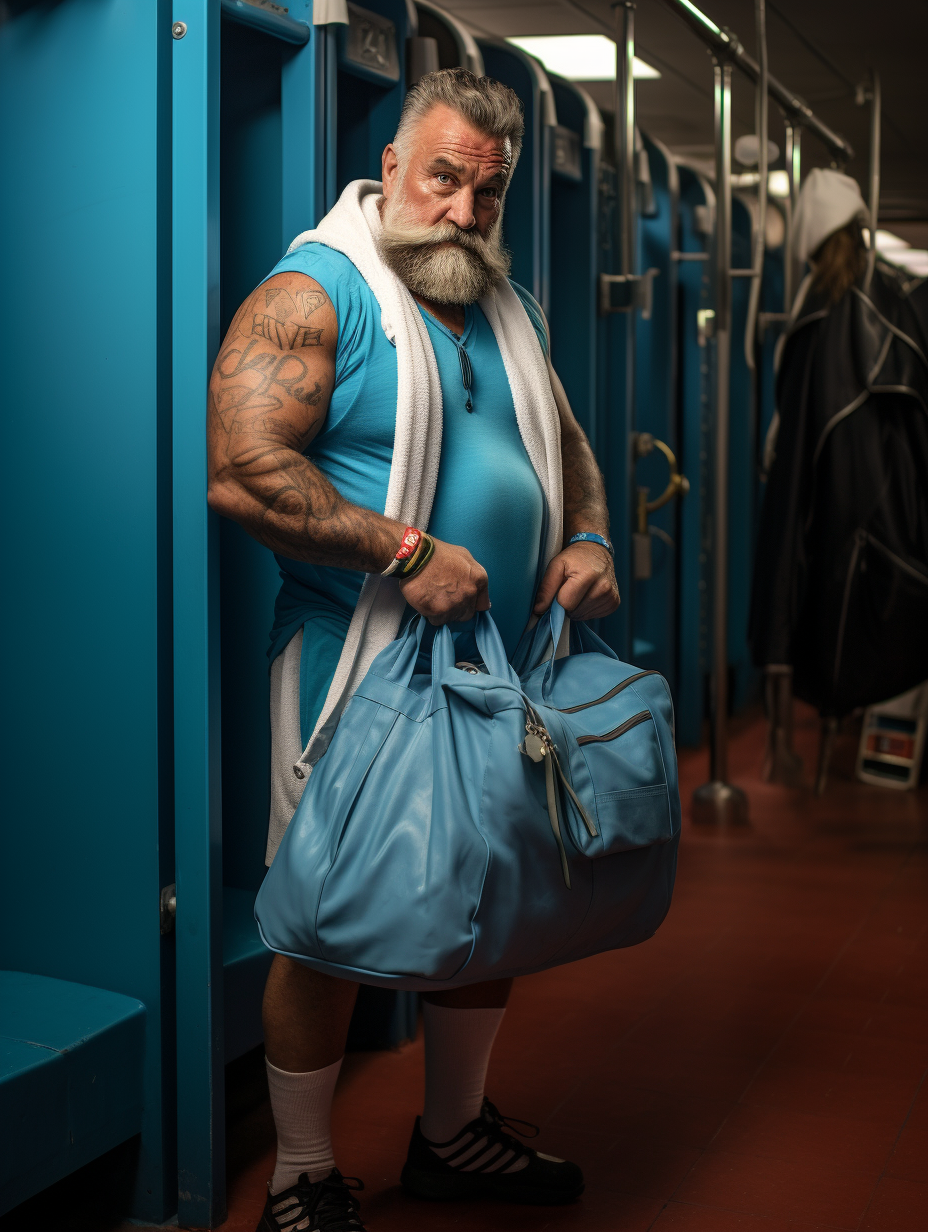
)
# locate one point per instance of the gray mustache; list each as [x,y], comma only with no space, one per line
[412,236]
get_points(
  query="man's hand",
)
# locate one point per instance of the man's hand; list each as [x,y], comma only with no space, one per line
[452,586]
[582,577]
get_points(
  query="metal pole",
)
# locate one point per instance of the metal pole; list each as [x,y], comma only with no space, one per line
[760,240]
[726,45]
[718,801]
[791,134]
[625,131]
[876,107]
[795,166]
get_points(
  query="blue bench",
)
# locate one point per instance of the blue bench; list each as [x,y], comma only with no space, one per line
[70,1078]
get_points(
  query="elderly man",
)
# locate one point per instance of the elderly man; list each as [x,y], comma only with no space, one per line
[303,405]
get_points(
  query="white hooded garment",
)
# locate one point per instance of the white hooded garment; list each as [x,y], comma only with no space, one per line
[828,200]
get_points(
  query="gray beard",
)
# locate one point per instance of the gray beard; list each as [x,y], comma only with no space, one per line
[460,274]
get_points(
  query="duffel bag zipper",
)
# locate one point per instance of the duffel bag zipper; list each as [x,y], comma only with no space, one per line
[538,746]
[641,717]
[612,692]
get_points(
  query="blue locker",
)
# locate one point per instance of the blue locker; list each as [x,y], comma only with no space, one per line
[694,411]
[86,636]
[654,599]
[574,260]
[370,86]
[615,339]
[742,469]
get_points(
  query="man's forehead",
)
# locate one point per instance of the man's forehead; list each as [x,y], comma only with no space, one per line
[444,134]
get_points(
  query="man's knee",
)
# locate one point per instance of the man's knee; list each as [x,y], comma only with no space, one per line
[294,990]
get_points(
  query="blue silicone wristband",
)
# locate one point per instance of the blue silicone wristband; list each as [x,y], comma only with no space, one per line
[587,536]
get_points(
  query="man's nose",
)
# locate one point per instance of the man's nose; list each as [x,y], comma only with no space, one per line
[462,209]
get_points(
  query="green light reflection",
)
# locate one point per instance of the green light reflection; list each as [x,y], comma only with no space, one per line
[704,19]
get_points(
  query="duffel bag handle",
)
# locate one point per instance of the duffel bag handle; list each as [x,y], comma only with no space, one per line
[492,650]
[543,642]
[538,640]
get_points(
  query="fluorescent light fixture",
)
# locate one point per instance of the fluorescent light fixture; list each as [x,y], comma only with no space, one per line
[778,184]
[578,57]
[887,242]
[705,20]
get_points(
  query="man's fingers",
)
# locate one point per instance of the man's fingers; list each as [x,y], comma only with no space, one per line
[550,585]
[574,591]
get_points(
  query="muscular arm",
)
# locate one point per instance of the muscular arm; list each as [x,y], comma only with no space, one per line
[268,398]
[582,576]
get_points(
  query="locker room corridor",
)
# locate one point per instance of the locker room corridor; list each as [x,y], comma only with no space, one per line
[758,1066]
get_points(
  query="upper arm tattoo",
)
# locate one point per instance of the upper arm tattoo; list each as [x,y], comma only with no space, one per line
[272,314]
[266,381]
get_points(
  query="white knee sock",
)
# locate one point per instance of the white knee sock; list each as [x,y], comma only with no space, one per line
[457,1052]
[302,1108]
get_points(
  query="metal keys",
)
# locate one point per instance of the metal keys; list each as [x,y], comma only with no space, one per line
[537,743]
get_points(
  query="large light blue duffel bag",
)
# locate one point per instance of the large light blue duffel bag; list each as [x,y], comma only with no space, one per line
[469,824]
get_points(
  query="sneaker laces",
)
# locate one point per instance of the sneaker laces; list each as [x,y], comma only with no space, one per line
[490,1112]
[329,1205]
[497,1124]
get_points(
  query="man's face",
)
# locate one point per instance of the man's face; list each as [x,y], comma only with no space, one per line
[443,207]
[454,173]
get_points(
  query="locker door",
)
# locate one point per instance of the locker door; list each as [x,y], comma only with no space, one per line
[574,248]
[87,833]
[654,604]
[742,468]
[695,223]
[248,174]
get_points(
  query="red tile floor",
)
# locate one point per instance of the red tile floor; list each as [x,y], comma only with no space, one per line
[758,1066]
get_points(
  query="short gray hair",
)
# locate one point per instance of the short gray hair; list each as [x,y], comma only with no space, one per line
[489,105]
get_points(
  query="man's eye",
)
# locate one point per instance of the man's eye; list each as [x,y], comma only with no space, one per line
[443,177]
[492,193]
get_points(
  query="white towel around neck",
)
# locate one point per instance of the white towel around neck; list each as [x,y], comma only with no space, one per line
[351,227]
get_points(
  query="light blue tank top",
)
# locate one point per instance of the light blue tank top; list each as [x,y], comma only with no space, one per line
[488,497]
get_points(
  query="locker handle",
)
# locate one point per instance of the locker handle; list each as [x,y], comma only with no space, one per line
[678,485]
[644,443]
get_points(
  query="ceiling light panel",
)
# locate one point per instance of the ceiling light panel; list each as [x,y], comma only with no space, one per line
[579,57]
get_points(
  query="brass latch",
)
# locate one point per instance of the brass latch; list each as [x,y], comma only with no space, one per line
[678,485]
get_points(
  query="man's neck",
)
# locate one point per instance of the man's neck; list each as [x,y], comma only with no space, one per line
[450,315]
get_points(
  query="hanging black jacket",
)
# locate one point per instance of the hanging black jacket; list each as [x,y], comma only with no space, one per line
[841,572]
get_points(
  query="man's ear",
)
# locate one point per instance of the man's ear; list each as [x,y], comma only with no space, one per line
[390,166]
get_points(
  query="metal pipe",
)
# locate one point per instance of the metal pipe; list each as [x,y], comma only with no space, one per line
[718,801]
[726,44]
[795,166]
[760,239]
[876,108]
[792,276]
[719,753]
[791,133]
[625,131]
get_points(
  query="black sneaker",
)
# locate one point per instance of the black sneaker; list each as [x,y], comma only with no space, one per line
[483,1161]
[325,1206]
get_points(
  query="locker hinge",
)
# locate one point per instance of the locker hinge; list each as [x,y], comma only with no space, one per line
[168,908]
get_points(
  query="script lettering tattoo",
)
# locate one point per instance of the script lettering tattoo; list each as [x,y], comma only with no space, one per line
[287,373]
